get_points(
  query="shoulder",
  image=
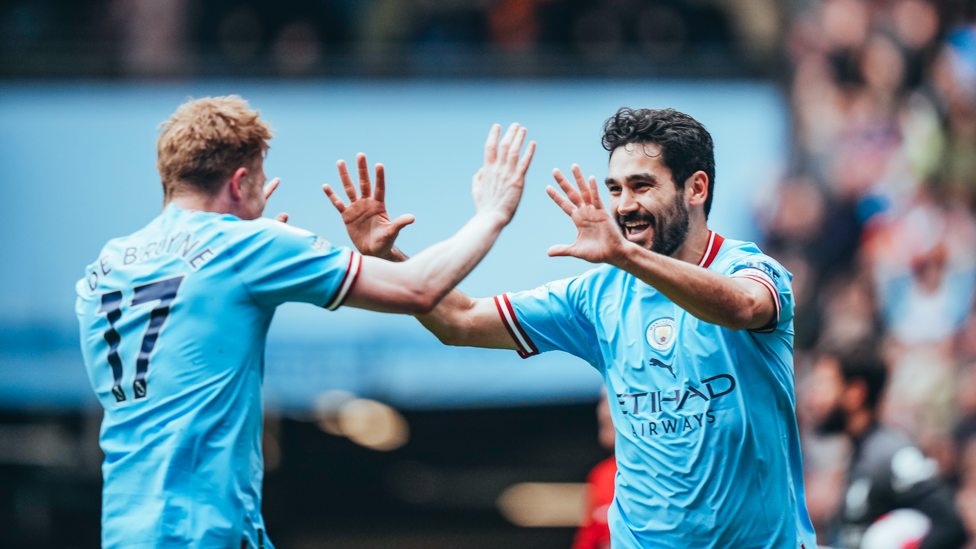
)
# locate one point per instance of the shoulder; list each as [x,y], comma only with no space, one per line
[269,233]
[602,275]
[576,293]
[256,227]
[736,255]
[584,282]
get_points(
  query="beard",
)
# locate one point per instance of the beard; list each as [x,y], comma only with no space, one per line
[833,423]
[670,226]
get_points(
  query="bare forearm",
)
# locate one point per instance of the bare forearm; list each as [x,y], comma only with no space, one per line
[459,319]
[437,270]
[446,321]
[707,295]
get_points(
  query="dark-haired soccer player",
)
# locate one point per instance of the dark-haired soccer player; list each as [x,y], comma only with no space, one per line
[174,318]
[692,333]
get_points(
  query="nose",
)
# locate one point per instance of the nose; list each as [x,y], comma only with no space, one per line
[627,202]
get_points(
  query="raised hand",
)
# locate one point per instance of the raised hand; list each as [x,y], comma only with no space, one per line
[497,187]
[599,239]
[368,224]
[270,188]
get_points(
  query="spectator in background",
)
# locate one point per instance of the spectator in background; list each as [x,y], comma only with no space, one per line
[876,213]
[594,533]
[886,471]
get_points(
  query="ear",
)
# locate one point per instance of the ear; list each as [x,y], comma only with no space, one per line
[236,182]
[696,188]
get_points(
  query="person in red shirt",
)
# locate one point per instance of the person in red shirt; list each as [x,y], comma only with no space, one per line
[593,532]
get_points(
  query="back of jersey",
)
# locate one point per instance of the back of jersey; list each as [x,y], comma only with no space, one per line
[173,323]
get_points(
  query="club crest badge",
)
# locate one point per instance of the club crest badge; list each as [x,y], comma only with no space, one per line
[661,334]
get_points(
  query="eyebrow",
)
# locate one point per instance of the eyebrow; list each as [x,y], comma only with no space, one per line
[644,176]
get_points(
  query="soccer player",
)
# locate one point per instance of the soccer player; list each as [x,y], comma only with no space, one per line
[887,471]
[174,318]
[692,333]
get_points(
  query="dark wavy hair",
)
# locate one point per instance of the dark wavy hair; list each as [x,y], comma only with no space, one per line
[686,146]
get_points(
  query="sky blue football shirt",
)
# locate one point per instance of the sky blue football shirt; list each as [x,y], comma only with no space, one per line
[173,323]
[708,451]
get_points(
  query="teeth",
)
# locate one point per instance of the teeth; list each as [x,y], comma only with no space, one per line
[636,224]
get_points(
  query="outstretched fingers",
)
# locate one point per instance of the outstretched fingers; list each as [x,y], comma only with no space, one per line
[346,181]
[336,201]
[513,152]
[584,190]
[561,201]
[571,193]
[506,142]
[380,191]
[491,146]
[523,165]
[595,194]
[365,189]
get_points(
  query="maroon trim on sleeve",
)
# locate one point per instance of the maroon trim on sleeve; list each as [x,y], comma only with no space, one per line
[343,289]
[771,325]
[525,346]
[355,278]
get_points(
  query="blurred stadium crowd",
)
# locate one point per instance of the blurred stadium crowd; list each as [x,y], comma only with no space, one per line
[448,38]
[876,221]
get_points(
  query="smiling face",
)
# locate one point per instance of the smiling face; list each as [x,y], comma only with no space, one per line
[644,201]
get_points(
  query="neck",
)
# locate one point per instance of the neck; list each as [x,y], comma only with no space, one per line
[218,203]
[694,247]
[858,422]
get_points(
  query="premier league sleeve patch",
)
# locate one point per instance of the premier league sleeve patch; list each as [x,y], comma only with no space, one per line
[763,273]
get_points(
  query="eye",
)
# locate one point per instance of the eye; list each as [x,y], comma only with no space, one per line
[614,189]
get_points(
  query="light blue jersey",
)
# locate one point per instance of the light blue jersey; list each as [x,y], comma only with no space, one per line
[708,451]
[173,324]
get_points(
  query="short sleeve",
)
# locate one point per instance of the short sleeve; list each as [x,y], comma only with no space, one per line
[280,263]
[549,318]
[766,271]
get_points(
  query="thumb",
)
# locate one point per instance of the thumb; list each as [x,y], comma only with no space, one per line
[283,217]
[270,187]
[402,222]
[560,250]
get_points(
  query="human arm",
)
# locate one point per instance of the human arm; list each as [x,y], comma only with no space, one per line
[458,319]
[416,285]
[735,303]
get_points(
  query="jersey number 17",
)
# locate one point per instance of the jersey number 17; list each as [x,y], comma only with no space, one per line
[163,291]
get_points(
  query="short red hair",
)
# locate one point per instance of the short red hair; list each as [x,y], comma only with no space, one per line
[206,140]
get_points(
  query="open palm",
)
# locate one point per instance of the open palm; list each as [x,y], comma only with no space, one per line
[599,239]
[367,222]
